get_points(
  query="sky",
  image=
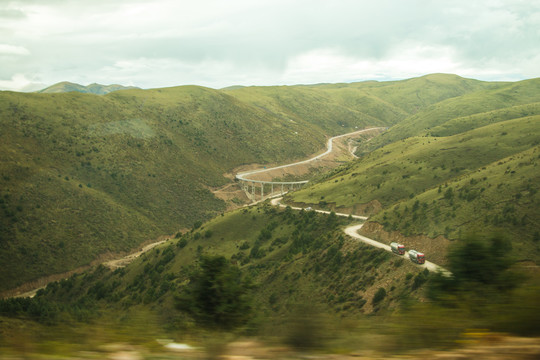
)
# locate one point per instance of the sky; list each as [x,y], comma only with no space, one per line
[220,43]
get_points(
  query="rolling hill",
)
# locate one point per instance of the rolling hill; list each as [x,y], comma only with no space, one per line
[84,176]
[502,101]
[455,176]
[448,171]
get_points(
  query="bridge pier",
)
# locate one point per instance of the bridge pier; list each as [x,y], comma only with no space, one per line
[249,187]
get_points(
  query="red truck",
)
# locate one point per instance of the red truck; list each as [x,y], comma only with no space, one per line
[417,257]
[397,248]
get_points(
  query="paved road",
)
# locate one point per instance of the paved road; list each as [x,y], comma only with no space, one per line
[329,148]
[277,201]
[352,231]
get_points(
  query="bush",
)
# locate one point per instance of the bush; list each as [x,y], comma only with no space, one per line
[420,279]
[379,296]
[182,243]
[196,225]
[475,260]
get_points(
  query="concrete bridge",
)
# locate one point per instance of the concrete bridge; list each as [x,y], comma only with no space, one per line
[249,185]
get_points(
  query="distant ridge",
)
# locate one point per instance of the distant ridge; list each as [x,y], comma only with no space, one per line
[98,89]
[233,87]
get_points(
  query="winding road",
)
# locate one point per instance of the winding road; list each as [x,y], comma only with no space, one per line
[352,231]
[329,146]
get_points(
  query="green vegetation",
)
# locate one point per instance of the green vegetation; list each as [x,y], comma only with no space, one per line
[366,103]
[308,280]
[299,255]
[216,295]
[84,175]
[487,105]
[470,174]
[501,197]
[457,173]
[485,292]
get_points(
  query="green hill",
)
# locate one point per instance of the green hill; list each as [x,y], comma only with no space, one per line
[85,175]
[501,197]
[295,261]
[304,284]
[455,176]
[373,103]
[445,186]
[481,107]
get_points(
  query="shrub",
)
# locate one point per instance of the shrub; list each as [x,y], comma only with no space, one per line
[379,296]
[182,243]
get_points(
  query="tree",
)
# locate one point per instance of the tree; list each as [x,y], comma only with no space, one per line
[479,265]
[379,295]
[217,296]
[475,260]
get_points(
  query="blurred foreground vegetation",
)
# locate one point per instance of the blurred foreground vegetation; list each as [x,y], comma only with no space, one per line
[288,281]
[288,278]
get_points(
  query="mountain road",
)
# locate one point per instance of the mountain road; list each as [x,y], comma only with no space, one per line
[329,149]
[352,231]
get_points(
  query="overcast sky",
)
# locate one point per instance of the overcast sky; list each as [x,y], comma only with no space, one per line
[219,43]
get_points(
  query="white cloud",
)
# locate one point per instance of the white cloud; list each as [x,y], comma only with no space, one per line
[407,60]
[219,43]
[173,72]
[6,49]
[19,82]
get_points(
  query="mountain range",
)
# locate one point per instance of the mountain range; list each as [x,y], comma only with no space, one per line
[98,89]
[84,178]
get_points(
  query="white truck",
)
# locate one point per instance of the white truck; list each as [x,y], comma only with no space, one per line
[417,257]
[397,248]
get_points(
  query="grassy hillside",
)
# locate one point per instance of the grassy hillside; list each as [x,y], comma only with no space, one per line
[373,103]
[393,173]
[449,186]
[311,288]
[500,198]
[456,176]
[501,101]
[84,175]
[295,260]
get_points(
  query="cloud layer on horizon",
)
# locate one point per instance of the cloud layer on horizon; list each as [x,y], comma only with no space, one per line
[221,43]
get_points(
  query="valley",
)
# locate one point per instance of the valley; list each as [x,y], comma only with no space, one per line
[116,261]
[85,175]
[443,165]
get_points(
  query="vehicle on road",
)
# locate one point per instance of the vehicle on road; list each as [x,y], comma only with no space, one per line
[417,257]
[397,248]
